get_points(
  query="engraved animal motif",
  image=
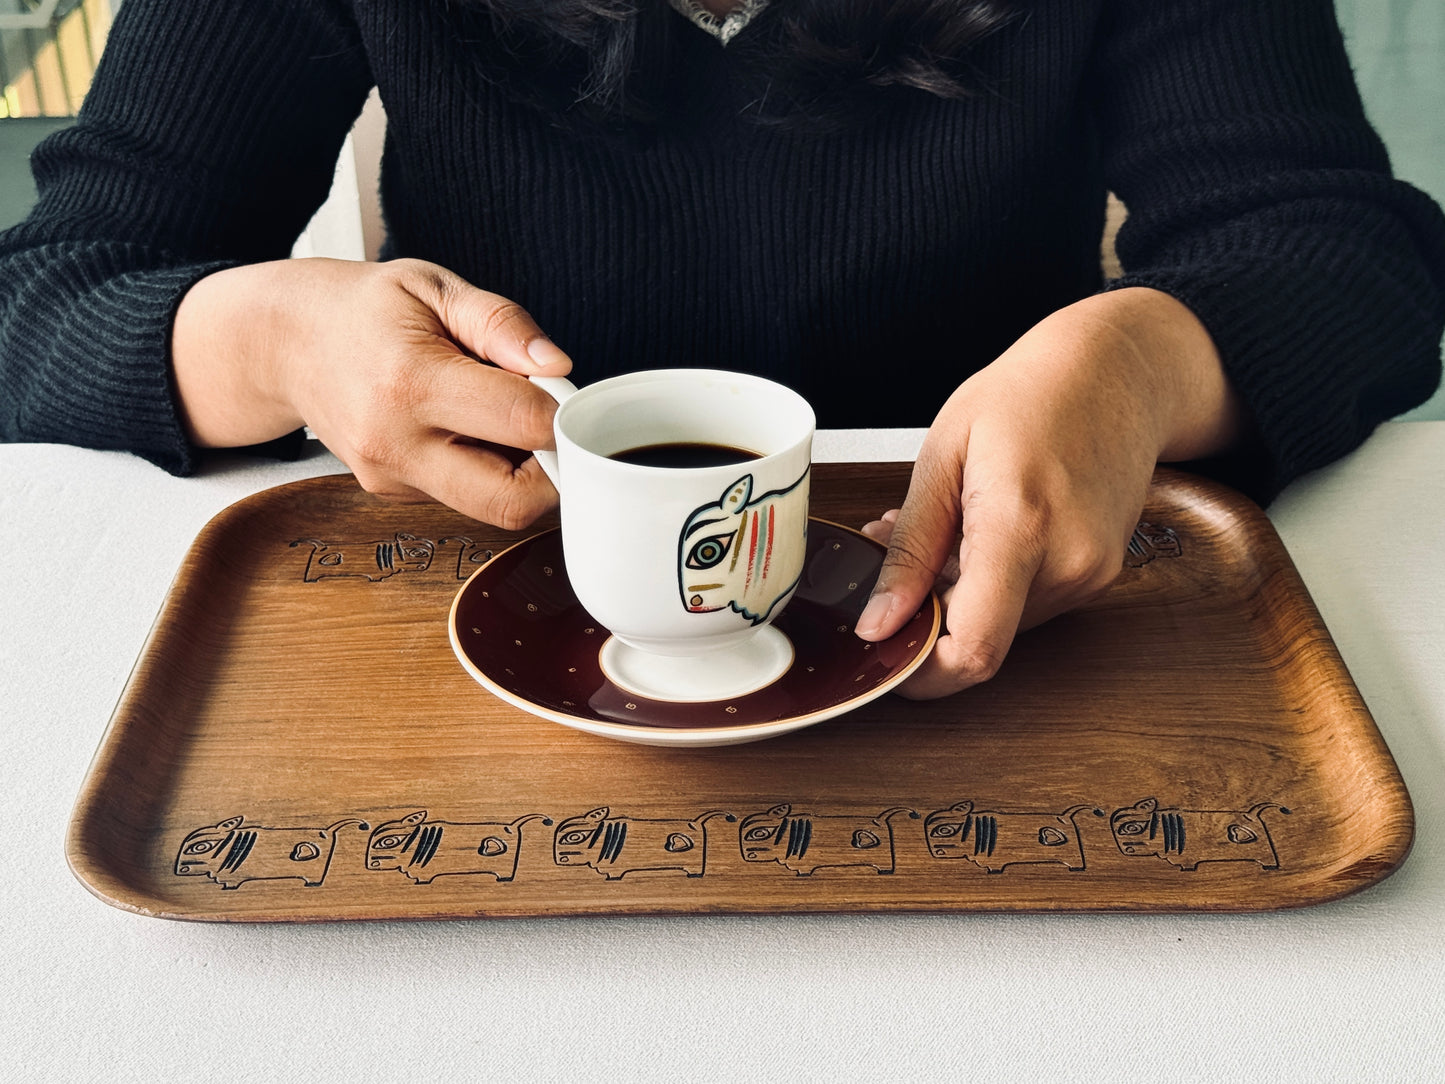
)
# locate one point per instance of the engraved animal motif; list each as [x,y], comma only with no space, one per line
[424,850]
[367,560]
[616,846]
[994,840]
[805,842]
[231,853]
[1187,837]
[743,552]
[471,556]
[1151,540]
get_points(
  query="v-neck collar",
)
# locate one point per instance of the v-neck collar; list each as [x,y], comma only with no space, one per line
[724,27]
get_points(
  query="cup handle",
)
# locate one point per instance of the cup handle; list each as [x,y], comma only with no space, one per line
[561,389]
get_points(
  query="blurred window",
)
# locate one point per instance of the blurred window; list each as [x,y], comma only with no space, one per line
[48,53]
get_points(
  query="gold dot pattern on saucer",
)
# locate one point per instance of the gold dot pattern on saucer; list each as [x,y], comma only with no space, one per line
[520,630]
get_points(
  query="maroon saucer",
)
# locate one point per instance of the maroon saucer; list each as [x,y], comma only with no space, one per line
[518,629]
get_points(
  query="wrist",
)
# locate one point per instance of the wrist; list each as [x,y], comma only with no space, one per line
[229,341]
[1171,359]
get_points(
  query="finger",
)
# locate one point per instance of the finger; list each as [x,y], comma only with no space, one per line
[880,530]
[922,537]
[492,327]
[482,484]
[948,574]
[502,332]
[997,567]
[1082,563]
[485,404]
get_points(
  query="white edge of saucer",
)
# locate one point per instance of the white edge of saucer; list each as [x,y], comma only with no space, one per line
[694,737]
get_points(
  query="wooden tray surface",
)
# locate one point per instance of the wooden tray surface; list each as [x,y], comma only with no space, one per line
[299,743]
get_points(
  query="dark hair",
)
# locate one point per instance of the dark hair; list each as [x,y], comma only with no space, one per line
[810,60]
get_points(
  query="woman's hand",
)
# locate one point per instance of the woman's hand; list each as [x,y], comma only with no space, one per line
[1042,461]
[382,361]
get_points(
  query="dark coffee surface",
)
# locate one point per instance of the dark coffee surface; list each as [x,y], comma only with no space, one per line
[684,454]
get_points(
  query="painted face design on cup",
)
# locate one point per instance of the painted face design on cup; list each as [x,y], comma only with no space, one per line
[744,553]
[684,524]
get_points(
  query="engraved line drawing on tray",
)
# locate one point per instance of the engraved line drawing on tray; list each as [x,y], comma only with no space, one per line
[471,556]
[741,552]
[1151,540]
[616,846]
[375,560]
[423,850]
[231,852]
[1187,837]
[805,842]
[994,839]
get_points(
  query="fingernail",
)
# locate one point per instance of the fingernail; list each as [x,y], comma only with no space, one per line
[874,614]
[543,352]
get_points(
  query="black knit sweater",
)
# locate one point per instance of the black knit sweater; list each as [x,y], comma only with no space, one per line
[872,265]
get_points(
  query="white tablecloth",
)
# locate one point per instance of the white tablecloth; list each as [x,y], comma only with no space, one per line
[1349,991]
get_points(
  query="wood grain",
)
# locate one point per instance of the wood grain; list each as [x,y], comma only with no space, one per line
[298,743]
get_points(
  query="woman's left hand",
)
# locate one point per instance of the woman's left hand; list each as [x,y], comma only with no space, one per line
[1042,462]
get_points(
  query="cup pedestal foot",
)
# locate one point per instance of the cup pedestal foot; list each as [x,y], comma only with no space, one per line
[719,675]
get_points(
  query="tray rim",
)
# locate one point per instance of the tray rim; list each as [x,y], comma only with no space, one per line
[1396,805]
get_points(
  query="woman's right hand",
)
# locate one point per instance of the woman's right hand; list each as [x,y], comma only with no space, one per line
[381,360]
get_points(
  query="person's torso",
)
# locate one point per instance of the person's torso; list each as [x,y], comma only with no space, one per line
[872,265]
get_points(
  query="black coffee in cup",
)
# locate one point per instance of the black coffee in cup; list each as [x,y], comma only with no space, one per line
[684,454]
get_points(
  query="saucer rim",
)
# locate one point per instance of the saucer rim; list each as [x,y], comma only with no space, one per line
[641,732]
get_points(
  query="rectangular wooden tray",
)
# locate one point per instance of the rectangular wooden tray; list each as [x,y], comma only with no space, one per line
[1189,741]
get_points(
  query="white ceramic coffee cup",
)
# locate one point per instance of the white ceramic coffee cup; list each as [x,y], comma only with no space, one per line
[683,563]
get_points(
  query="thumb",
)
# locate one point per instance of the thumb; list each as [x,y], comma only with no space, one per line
[922,541]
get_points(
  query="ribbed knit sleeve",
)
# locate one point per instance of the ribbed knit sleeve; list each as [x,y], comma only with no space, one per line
[940,229]
[208,139]
[1259,196]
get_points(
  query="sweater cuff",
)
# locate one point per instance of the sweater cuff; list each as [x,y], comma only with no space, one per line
[1312,376]
[106,377]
